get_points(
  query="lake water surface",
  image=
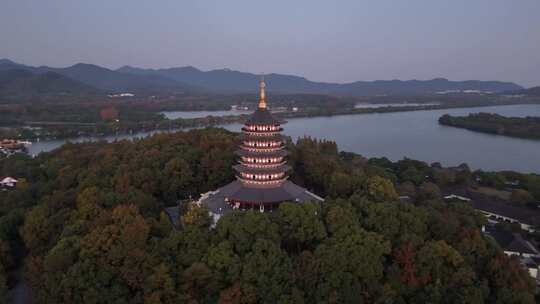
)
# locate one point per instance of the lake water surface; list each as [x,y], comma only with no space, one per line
[414,134]
[384,105]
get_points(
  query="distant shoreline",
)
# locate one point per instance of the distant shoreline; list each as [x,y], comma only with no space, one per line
[519,127]
[68,130]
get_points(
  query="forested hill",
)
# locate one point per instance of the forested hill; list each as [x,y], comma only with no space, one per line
[524,127]
[190,79]
[22,83]
[89,218]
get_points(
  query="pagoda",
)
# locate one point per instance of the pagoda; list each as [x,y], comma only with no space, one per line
[262,171]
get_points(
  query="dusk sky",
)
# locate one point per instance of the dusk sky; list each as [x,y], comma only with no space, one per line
[334,41]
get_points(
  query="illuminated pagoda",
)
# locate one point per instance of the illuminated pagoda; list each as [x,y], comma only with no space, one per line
[262,171]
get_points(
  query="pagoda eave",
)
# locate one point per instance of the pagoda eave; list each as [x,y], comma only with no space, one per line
[262,170]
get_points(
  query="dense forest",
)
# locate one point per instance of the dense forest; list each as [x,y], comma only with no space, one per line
[525,127]
[87,224]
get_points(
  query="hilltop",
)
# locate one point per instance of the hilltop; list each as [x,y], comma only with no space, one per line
[22,83]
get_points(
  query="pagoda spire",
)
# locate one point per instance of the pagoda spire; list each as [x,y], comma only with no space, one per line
[262,100]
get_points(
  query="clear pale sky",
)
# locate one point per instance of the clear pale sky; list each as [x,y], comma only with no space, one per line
[335,41]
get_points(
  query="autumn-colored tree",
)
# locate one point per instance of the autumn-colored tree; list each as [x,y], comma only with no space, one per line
[197,216]
[238,294]
[380,189]
[109,113]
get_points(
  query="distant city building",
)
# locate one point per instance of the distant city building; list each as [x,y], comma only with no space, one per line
[10,146]
[262,171]
[120,95]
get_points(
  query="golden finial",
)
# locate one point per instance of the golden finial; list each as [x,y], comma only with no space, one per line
[262,100]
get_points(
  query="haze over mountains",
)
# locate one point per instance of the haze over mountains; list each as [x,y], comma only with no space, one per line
[190,79]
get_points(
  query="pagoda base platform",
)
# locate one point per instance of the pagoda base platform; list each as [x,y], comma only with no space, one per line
[238,196]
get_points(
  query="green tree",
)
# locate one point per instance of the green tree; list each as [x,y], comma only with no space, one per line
[242,229]
[352,267]
[267,268]
[301,225]
[340,185]
[429,191]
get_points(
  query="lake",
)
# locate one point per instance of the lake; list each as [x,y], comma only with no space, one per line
[415,134]
[384,105]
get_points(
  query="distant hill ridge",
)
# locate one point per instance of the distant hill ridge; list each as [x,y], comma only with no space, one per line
[535,91]
[103,78]
[228,81]
[22,83]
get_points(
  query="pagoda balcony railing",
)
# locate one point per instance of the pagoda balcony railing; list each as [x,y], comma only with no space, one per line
[262,165]
[261,127]
[253,132]
[263,136]
[262,144]
[262,149]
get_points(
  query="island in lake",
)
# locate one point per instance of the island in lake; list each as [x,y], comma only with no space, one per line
[524,127]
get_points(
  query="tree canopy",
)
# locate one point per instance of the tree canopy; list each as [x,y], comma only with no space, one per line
[90,221]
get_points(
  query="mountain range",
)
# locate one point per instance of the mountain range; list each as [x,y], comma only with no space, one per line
[190,79]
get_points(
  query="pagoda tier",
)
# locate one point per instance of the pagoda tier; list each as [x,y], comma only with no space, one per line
[259,154]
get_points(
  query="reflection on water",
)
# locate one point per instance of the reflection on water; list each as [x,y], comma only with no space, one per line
[415,134]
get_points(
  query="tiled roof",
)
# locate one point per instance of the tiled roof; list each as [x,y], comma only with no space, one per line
[262,117]
[485,203]
[287,191]
[511,241]
[522,214]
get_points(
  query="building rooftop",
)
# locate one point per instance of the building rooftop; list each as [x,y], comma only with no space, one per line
[287,191]
[513,242]
[522,214]
[262,116]
[488,204]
